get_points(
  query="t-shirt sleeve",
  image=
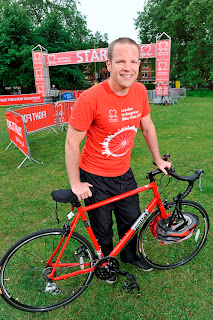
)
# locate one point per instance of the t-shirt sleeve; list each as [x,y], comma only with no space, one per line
[146,106]
[82,113]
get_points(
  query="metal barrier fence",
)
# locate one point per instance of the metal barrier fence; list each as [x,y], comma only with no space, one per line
[172,97]
[25,120]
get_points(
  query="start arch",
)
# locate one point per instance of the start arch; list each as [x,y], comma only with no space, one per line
[42,60]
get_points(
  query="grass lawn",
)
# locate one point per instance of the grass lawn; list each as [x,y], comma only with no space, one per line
[185,131]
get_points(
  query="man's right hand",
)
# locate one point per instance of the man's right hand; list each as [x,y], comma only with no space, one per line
[82,190]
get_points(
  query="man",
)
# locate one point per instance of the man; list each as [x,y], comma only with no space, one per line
[109,115]
[54,93]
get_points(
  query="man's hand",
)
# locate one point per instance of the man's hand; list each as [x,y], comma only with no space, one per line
[162,164]
[82,190]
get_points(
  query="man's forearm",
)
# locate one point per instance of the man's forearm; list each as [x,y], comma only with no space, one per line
[72,156]
[150,137]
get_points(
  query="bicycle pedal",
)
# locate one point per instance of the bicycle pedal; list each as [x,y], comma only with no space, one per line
[131,282]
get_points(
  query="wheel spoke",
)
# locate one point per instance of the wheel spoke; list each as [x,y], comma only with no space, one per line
[24,274]
[170,255]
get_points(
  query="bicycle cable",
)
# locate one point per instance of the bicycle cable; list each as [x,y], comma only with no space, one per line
[171,188]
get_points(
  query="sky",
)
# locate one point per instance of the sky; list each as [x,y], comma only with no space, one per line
[114,17]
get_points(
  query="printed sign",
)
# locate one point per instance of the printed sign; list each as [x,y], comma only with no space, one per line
[39,72]
[63,111]
[161,89]
[38,117]
[77,93]
[162,67]
[91,55]
[16,131]
[10,100]
[147,50]
[75,57]
[67,96]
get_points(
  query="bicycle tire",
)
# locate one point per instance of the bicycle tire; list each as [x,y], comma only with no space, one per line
[168,256]
[24,273]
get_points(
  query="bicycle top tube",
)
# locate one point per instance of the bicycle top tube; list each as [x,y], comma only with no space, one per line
[67,196]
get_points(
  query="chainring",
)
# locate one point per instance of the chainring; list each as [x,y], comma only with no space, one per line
[106,268]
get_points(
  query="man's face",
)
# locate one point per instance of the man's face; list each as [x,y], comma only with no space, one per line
[124,67]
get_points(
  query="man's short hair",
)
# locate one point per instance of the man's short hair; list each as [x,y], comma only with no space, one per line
[121,41]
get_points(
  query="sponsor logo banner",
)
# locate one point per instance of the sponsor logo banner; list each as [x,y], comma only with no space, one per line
[38,117]
[39,72]
[162,66]
[91,55]
[20,99]
[16,131]
[63,111]
[45,115]
[162,89]
[147,50]
[75,57]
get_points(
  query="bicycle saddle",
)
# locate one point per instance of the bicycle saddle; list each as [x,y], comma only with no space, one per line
[64,196]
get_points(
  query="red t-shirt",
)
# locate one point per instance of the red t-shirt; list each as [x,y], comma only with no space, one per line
[111,122]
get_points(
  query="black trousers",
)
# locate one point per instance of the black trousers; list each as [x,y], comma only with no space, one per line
[126,210]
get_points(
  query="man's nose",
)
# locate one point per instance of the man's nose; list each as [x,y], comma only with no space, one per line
[127,66]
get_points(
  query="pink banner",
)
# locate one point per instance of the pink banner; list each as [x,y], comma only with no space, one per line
[77,93]
[90,55]
[16,131]
[39,72]
[162,89]
[74,57]
[38,117]
[147,50]
[63,111]
[162,67]
[20,99]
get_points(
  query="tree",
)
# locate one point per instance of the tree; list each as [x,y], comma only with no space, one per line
[16,42]
[189,24]
[56,38]
[65,10]
[57,25]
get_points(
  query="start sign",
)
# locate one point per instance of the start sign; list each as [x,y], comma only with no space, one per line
[75,57]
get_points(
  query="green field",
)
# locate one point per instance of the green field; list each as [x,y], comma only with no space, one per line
[185,131]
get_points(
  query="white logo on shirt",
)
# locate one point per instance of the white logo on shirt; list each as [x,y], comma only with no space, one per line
[113,116]
[119,143]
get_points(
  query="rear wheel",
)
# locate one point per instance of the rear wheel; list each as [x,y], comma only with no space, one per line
[24,274]
[172,255]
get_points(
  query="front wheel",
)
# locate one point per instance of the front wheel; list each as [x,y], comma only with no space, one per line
[24,271]
[171,255]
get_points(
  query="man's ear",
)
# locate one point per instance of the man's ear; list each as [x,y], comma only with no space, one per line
[108,64]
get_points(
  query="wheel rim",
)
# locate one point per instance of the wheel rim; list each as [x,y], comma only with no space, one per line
[166,256]
[24,274]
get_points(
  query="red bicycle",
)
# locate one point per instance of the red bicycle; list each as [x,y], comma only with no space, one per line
[50,268]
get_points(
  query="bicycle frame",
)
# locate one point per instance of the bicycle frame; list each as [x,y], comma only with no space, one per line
[156,201]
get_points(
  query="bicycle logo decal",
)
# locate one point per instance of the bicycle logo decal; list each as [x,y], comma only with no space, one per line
[119,143]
